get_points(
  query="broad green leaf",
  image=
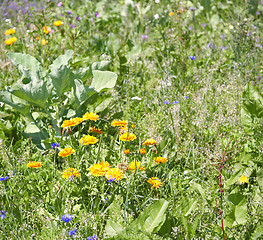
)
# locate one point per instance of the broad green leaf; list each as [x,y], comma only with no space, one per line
[260,179]
[152,217]
[61,75]
[103,65]
[112,229]
[32,131]
[103,79]
[81,92]
[103,105]
[35,92]
[27,64]
[62,79]
[200,189]
[258,233]
[233,179]
[252,106]
[62,60]
[6,97]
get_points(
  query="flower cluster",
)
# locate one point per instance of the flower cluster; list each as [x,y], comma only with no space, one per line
[160,159]
[72,122]
[88,139]
[66,218]
[4,178]
[126,137]
[156,183]
[66,152]
[71,173]
[34,164]
[91,116]
[135,165]
[149,141]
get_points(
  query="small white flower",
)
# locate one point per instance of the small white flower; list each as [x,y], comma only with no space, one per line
[156,16]
[157,1]
[136,98]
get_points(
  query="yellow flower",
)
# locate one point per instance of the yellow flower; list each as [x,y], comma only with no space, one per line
[72,122]
[142,151]
[149,141]
[243,179]
[71,172]
[34,164]
[99,169]
[10,31]
[135,165]
[119,123]
[115,173]
[58,23]
[44,42]
[156,183]
[91,116]
[46,29]
[123,129]
[95,130]
[171,14]
[66,152]
[87,140]
[10,41]
[127,137]
[126,151]
[133,125]
[160,159]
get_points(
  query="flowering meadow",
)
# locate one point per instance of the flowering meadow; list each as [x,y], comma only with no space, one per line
[131,119]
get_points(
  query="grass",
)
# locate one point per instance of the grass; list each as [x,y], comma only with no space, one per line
[191,107]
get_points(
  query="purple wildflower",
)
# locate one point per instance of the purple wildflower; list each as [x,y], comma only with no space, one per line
[66,218]
[3,214]
[175,102]
[166,102]
[204,25]
[192,8]
[3,178]
[59,4]
[257,12]
[144,37]
[97,15]
[69,12]
[78,18]
[92,237]
[54,145]
[110,179]
[186,97]
[71,25]
[72,232]
[192,57]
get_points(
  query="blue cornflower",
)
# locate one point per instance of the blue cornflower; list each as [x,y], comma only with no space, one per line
[72,232]
[3,214]
[92,237]
[192,57]
[54,145]
[166,102]
[110,179]
[186,97]
[3,178]
[66,218]
[175,102]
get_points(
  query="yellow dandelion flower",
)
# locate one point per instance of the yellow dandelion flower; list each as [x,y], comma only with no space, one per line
[10,31]
[115,173]
[10,41]
[171,14]
[91,116]
[160,159]
[58,23]
[142,151]
[156,183]
[95,130]
[72,122]
[126,151]
[149,141]
[71,173]
[87,140]
[127,137]
[119,123]
[34,164]
[66,152]
[44,42]
[46,29]
[99,169]
[243,179]
[135,165]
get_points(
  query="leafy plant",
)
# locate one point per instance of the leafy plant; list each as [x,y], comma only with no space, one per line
[47,96]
